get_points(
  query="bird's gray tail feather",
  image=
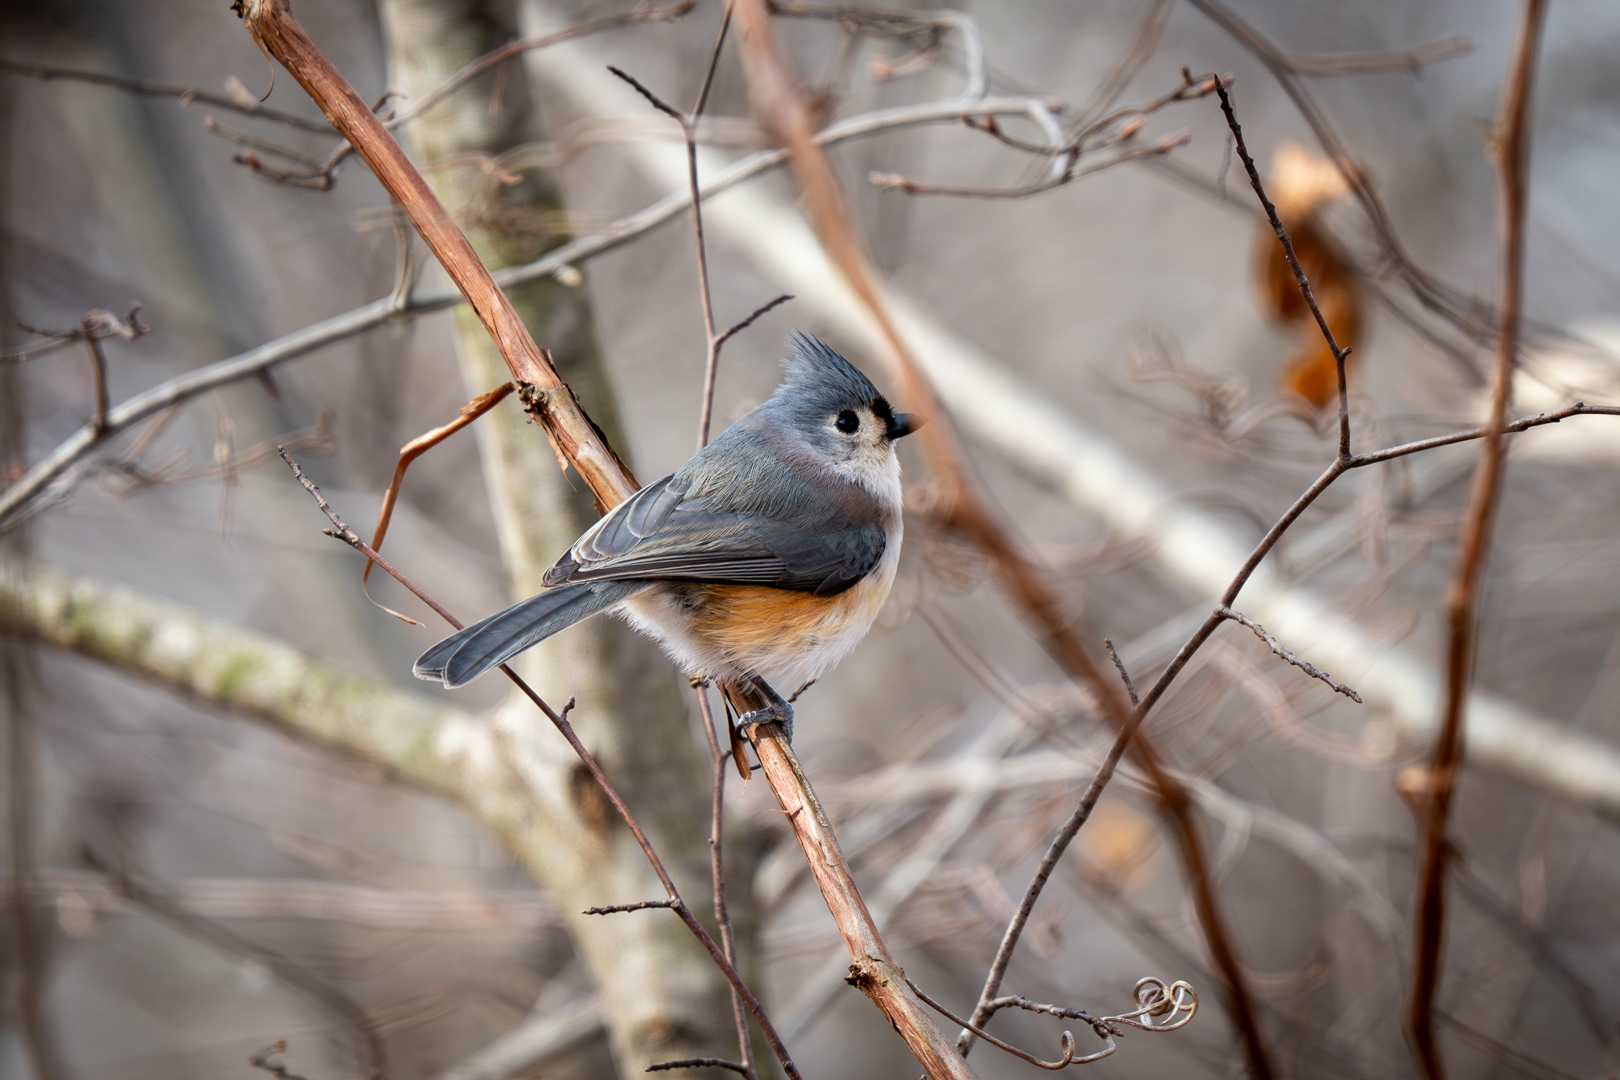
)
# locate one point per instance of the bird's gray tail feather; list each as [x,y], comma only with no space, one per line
[473,650]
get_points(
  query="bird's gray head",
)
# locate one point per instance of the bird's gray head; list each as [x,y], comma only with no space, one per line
[834,406]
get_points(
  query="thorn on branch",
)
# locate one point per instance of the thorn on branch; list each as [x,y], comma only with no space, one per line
[1276,647]
[614,909]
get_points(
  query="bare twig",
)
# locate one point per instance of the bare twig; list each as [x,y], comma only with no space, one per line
[276,30]
[777,97]
[560,720]
[717,870]
[420,445]
[896,182]
[253,142]
[755,314]
[986,1007]
[702,1063]
[614,909]
[1449,303]
[58,465]
[1272,644]
[511,50]
[1304,284]
[1067,1043]
[1363,63]
[713,339]
[1512,152]
[186,94]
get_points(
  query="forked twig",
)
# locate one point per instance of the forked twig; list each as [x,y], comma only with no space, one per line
[420,445]
[269,1060]
[713,340]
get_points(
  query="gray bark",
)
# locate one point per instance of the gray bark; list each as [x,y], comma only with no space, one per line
[665,999]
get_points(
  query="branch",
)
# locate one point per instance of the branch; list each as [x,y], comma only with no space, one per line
[244,672]
[1438,297]
[1512,147]
[342,532]
[1274,646]
[276,31]
[1339,353]
[778,100]
[873,970]
[57,465]
[986,1006]
[1362,63]
[186,94]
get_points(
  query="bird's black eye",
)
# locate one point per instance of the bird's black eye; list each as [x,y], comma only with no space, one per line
[848,422]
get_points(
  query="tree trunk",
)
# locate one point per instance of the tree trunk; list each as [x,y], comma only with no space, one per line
[665,999]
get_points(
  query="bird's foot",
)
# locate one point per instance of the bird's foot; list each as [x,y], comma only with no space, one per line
[776,712]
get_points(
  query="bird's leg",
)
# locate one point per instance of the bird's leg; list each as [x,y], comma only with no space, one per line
[766,707]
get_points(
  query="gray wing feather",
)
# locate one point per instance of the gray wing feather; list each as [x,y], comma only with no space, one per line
[813,544]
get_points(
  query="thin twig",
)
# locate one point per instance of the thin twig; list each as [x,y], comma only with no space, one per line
[1339,354]
[896,182]
[98,371]
[614,909]
[59,463]
[1272,644]
[1449,303]
[1362,63]
[186,94]
[1067,1042]
[702,1063]
[778,97]
[712,340]
[986,1007]
[746,323]
[560,721]
[1512,152]
[717,869]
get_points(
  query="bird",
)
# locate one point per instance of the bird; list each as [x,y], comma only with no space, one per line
[769,553]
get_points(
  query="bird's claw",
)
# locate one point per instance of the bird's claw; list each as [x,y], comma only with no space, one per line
[778,712]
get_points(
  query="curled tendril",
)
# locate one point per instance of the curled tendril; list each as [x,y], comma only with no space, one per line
[1155,999]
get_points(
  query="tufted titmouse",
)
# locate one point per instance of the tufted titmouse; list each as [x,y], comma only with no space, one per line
[769,552]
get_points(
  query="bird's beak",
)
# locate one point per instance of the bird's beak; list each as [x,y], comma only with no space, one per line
[904,423]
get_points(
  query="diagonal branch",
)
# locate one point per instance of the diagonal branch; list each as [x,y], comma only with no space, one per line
[778,99]
[272,25]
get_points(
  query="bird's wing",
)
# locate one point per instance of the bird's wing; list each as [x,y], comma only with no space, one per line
[821,547]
